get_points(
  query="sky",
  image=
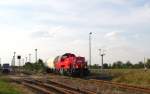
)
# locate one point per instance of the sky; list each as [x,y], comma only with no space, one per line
[120,27]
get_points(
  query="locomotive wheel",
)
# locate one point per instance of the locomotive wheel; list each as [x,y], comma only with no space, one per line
[62,72]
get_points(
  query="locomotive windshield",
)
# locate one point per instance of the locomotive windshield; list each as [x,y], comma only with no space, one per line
[68,55]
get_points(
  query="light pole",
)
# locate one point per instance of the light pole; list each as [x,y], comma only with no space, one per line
[90,49]
[35,55]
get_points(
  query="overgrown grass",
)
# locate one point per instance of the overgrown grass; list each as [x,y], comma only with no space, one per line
[136,77]
[6,87]
[130,76]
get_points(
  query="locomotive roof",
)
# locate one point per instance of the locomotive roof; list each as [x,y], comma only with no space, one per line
[68,54]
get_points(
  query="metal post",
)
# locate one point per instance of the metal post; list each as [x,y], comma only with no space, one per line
[90,49]
[35,55]
[19,65]
[23,63]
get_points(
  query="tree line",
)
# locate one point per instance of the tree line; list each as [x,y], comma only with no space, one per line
[38,66]
[122,65]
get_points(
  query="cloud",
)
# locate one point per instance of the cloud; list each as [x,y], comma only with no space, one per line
[15,2]
[41,34]
[113,35]
[56,27]
[116,39]
[46,32]
[117,2]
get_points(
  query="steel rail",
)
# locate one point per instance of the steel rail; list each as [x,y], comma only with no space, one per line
[34,87]
[49,86]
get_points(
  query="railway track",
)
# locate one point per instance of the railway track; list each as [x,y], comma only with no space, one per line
[82,91]
[50,87]
[46,86]
[37,88]
[124,86]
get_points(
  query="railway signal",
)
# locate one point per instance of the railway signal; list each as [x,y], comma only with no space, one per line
[19,58]
[102,54]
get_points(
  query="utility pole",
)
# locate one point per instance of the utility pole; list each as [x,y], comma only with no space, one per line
[26,59]
[14,59]
[0,62]
[23,61]
[90,49]
[30,58]
[102,56]
[35,55]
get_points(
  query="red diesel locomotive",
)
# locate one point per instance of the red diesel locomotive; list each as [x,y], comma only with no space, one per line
[68,64]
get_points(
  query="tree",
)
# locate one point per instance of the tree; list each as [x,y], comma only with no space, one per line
[38,66]
[29,66]
[118,64]
[139,65]
[95,66]
[128,64]
[148,63]
[105,66]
